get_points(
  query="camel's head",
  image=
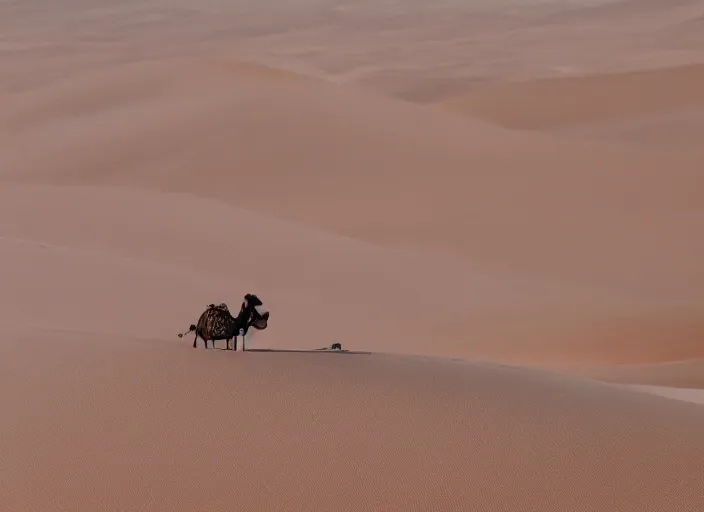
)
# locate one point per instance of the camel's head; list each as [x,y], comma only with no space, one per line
[253,308]
[251,300]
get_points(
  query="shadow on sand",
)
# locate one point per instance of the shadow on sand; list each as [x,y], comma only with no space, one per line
[298,350]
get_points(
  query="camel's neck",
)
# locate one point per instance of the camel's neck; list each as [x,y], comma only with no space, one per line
[243,316]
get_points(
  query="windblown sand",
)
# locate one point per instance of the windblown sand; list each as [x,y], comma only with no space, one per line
[497,207]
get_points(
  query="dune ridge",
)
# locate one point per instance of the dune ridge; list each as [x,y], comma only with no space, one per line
[365,161]
[558,103]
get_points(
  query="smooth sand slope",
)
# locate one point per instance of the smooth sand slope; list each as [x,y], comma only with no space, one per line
[113,423]
[402,222]
[661,108]
[147,170]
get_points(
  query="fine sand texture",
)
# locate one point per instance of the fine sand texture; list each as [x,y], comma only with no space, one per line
[498,214]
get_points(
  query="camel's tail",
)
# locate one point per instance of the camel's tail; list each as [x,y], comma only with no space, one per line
[190,329]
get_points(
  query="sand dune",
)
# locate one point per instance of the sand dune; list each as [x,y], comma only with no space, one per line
[660,108]
[258,134]
[417,50]
[480,237]
[151,426]
[341,161]
[693,395]
[554,103]
[682,374]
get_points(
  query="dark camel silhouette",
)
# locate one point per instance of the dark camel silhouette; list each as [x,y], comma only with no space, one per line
[216,323]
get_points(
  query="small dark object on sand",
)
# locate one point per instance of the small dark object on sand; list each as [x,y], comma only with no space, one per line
[334,346]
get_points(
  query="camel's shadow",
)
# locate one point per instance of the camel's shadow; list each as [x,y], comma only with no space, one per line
[296,351]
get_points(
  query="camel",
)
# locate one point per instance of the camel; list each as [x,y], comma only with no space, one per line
[216,323]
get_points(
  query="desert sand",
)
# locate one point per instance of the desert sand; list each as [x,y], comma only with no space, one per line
[494,206]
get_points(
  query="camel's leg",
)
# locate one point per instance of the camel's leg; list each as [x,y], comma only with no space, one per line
[195,340]
[243,348]
[234,343]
